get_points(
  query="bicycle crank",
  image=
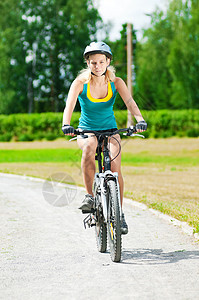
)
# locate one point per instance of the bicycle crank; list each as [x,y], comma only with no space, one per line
[89,221]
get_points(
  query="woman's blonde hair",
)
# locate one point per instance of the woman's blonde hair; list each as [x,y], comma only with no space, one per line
[85,75]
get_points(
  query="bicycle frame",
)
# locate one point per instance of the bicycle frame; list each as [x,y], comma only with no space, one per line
[105,174]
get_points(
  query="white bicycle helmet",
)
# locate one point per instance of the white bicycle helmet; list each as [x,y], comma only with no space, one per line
[98,47]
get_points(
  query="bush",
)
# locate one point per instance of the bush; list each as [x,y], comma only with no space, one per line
[28,127]
[5,137]
[25,137]
[167,123]
[161,124]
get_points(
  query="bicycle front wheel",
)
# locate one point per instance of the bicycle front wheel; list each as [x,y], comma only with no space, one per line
[113,224]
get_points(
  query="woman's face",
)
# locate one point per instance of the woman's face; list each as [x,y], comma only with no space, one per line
[98,63]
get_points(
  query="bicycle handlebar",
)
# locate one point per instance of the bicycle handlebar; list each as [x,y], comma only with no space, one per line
[129,132]
[109,133]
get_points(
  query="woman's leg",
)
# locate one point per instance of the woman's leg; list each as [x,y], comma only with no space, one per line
[88,147]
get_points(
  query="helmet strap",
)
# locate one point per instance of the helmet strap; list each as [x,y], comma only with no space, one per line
[101,75]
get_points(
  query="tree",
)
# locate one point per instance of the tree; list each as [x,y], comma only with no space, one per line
[153,77]
[50,41]
[10,46]
[168,58]
[184,57]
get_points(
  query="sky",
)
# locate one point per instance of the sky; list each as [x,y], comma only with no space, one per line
[128,11]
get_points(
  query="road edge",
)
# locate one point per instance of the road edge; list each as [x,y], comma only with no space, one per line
[187,229]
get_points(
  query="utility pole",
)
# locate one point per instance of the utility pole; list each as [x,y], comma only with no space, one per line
[129,69]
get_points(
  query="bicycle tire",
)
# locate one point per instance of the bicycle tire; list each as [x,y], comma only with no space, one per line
[100,228]
[113,224]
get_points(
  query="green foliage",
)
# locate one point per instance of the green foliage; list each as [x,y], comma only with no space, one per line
[41,46]
[161,124]
[184,57]
[166,123]
[168,58]
[26,127]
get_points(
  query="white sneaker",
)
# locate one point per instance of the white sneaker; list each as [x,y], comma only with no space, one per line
[87,203]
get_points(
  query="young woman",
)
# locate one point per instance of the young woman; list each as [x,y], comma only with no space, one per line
[96,88]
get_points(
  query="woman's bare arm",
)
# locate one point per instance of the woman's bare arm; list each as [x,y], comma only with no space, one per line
[75,89]
[122,89]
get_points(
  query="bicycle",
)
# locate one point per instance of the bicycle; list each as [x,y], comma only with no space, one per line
[107,212]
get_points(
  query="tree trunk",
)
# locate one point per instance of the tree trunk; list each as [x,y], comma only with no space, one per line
[30,95]
[129,69]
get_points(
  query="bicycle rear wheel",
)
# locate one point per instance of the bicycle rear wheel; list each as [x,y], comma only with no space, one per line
[113,224]
[100,228]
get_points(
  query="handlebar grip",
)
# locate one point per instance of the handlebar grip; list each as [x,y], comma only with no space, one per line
[78,131]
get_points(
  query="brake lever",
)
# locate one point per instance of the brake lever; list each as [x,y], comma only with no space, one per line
[78,137]
[75,138]
[134,134]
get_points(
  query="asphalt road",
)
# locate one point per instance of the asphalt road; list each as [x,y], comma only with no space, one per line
[45,252]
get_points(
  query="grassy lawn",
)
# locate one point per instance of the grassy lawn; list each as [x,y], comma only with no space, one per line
[68,155]
[162,173]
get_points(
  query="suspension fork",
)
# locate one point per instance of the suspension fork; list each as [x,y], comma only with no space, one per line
[107,167]
[104,178]
[118,192]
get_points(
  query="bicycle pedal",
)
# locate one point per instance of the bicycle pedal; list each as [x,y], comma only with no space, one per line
[88,211]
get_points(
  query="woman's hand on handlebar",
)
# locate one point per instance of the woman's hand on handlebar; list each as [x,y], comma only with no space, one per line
[68,130]
[141,126]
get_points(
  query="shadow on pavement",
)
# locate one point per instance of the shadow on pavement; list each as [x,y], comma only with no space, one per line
[156,256]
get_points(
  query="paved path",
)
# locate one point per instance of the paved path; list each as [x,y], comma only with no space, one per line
[45,252]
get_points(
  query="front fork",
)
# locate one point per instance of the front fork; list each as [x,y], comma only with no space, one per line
[102,178]
[118,192]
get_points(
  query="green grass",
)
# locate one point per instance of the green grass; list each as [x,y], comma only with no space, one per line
[68,155]
[143,158]
[40,155]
